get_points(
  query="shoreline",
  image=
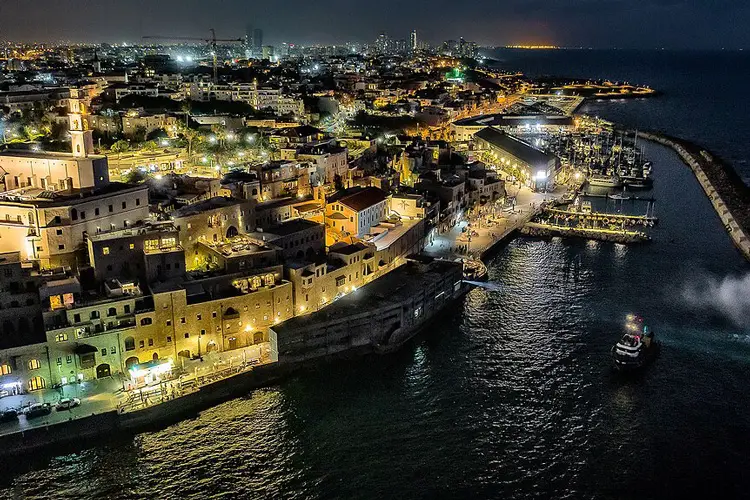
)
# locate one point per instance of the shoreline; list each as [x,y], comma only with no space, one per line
[723,186]
[73,435]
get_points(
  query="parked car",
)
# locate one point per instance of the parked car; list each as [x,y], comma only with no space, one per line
[9,415]
[67,403]
[38,410]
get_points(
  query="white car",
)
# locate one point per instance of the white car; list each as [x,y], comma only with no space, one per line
[67,404]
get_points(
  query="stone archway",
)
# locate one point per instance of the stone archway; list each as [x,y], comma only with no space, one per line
[232,232]
[133,360]
[103,370]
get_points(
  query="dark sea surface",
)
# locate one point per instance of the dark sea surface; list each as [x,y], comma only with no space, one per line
[508,395]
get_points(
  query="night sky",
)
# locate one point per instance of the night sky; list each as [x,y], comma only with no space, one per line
[588,23]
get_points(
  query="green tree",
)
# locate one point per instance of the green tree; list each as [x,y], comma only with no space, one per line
[120,147]
[150,146]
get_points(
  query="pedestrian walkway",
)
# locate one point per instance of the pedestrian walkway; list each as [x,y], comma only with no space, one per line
[488,224]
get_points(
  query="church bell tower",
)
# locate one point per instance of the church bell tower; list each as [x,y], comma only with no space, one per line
[81,138]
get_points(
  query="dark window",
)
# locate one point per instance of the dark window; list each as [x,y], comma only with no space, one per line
[124,205]
[96,211]
[111,208]
[76,318]
[94,315]
[129,343]
[58,232]
[104,351]
[73,214]
[187,335]
[127,308]
[169,339]
[182,320]
[83,215]
[141,344]
[150,342]
[137,201]
[112,312]
[61,247]
[146,321]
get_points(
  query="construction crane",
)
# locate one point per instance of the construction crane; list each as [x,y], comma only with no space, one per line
[211,41]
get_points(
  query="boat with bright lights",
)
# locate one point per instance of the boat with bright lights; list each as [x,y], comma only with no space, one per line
[636,348]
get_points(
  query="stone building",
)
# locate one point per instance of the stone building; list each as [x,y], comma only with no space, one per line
[213,221]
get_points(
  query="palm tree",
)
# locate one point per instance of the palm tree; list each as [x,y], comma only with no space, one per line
[190,135]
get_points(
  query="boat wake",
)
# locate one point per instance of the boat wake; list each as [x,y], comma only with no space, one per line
[728,297]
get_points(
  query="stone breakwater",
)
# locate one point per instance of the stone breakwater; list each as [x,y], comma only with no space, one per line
[728,194]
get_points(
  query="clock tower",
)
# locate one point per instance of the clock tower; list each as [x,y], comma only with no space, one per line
[81,138]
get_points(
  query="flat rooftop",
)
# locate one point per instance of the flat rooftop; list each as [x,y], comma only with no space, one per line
[47,155]
[39,195]
[238,246]
[394,288]
[290,227]
[394,233]
[207,205]
[136,230]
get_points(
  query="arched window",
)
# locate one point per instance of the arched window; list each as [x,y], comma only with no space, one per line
[74,214]
[34,364]
[268,279]
[94,315]
[146,321]
[5,370]
[129,343]
[8,327]
[37,383]
[130,362]
[255,282]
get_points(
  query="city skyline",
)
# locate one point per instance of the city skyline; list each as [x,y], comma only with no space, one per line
[581,23]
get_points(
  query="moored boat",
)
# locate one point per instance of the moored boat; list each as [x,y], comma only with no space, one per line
[606,181]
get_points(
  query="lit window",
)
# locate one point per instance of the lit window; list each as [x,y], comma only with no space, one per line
[37,383]
[132,246]
[34,364]
[5,370]
[105,251]
[61,337]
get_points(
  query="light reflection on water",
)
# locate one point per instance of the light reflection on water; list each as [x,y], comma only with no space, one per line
[508,395]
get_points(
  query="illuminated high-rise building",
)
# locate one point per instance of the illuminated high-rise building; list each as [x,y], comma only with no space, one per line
[413,41]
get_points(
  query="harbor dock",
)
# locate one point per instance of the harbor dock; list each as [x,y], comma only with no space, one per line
[540,230]
[596,219]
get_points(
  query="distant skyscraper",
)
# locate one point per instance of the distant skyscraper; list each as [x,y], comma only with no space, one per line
[248,41]
[413,41]
[382,44]
[258,42]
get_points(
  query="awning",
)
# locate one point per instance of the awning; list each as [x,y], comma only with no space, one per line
[84,349]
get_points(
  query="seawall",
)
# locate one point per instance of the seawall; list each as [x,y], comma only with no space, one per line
[725,189]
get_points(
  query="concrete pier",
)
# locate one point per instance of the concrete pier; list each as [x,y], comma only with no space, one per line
[723,189]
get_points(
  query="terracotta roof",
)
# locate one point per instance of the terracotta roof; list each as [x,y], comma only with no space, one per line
[362,199]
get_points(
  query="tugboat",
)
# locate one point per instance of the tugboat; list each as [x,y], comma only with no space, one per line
[636,348]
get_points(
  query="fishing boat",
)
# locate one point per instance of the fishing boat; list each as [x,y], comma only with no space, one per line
[605,181]
[636,348]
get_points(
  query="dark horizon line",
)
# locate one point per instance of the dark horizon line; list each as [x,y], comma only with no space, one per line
[514,46]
